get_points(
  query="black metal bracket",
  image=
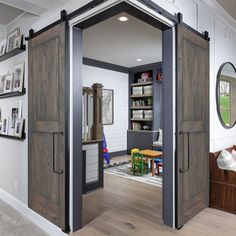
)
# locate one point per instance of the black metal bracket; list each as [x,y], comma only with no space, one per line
[67,230]
[180,18]
[63,17]
[206,36]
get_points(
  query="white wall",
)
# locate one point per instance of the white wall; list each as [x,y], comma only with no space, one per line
[200,14]
[13,154]
[116,134]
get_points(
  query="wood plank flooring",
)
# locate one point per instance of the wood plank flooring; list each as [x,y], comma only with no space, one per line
[126,207]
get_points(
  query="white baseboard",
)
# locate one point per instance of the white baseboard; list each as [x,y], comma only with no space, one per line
[25,211]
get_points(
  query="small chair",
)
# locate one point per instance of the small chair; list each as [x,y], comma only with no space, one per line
[132,152]
[139,163]
[159,163]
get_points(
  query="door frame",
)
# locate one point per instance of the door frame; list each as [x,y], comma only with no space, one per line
[169,139]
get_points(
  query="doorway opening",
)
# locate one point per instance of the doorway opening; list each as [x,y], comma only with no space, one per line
[126,71]
[122,57]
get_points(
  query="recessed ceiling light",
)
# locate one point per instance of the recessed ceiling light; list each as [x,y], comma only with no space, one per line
[139,59]
[123,18]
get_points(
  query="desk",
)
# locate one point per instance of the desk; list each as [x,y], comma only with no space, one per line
[150,154]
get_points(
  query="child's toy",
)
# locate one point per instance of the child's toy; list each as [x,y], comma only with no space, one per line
[105,150]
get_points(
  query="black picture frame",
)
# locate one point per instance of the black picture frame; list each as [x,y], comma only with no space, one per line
[107,111]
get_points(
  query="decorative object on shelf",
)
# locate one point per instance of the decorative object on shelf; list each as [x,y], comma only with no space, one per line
[12,38]
[5,126]
[8,83]
[159,77]
[2,82]
[19,124]
[146,127]
[145,77]
[18,72]
[3,44]
[108,106]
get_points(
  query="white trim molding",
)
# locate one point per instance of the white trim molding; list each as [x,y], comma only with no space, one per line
[26,212]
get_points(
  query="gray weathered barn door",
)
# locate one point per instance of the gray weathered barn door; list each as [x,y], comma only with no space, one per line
[48,152]
[192,124]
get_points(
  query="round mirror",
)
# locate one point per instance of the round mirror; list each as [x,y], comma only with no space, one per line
[226,94]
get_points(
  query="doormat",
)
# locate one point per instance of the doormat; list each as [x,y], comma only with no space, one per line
[125,171]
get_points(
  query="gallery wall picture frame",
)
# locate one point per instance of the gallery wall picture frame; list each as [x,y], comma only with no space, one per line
[15,113]
[3,44]
[1,127]
[5,126]
[18,78]
[17,42]
[108,107]
[2,82]
[18,131]
[11,38]
[8,83]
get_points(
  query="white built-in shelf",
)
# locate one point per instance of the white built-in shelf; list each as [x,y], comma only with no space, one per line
[141,84]
[142,108]
[141,96]
[141,119]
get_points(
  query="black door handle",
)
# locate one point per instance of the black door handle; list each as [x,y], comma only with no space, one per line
[59,172]
[185,152]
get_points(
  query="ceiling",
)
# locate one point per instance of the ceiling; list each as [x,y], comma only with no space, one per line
[7,13]
[122,43]
[229,6]
[10,9]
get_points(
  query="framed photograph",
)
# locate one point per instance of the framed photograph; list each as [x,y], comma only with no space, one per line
[18,78]
[3,44]
[8,83]
[108,106]
[5,126]
[15,114]
[17,43]
[19,128]
[11,38]
[2,83]
[1,127]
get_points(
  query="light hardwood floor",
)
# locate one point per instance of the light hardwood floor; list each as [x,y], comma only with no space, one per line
[126,207]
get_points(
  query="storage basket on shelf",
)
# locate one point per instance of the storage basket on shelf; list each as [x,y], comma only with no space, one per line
[137,90]
[148,90]
[138,114]
[148,114]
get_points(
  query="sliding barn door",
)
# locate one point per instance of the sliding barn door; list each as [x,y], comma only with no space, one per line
[192,124]
[48,155]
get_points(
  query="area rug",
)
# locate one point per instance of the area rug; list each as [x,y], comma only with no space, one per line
[124,170]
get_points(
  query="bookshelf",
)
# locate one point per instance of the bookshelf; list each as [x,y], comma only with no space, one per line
[145,104]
